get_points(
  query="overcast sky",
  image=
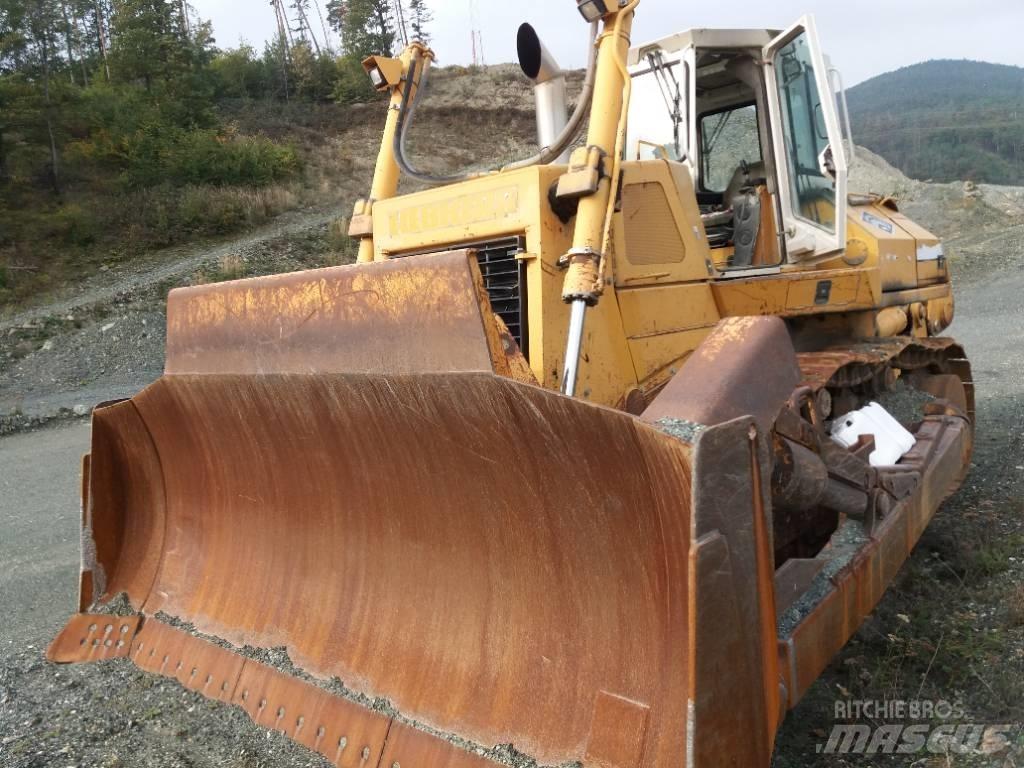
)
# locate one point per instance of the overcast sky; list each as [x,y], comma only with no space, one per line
[863,39]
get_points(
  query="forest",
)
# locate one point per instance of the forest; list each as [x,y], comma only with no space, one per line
[945,120]
[116,128]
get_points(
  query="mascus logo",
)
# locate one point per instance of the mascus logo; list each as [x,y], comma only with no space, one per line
[461,211]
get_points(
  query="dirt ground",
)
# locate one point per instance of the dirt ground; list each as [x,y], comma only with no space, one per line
[951,628]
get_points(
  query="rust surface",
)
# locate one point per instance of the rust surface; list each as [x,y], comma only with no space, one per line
[857,364]
[90,637]
[732,622]
[400,533]
[344,732]
[198,665]
[408,747]
[419,314]
[729,376]
[123,550]
[942,455]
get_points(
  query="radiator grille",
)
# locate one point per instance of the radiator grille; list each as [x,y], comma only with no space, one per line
[505,280]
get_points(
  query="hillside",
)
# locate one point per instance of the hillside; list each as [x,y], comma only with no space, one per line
[945,120]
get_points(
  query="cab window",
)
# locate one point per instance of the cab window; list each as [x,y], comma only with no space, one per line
[656,127]
[729,141]
[805,135]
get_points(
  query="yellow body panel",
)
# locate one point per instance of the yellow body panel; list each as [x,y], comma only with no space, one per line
[890,248]
[516,204]
[662,294]
[798,293]
[664,237]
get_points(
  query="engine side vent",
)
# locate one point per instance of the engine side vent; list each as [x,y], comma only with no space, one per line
[505,280]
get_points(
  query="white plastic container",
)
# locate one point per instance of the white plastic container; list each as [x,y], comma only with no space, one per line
[892,440]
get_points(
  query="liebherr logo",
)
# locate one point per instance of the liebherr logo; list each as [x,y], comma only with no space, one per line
[461,211]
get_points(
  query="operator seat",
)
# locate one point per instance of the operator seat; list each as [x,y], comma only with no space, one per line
[740,220]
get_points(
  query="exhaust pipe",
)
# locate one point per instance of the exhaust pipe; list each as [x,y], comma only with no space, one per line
[549,88]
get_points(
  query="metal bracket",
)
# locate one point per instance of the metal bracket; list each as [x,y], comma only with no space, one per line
[361,224]
[89,638]
[586,169]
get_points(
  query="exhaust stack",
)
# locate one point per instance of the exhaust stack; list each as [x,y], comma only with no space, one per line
[549,88]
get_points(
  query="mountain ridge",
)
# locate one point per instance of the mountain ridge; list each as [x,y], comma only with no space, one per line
[945,120]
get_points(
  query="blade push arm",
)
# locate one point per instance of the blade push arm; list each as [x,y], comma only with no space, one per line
[593,177]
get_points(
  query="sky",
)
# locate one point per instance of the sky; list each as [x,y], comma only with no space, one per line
[863,38]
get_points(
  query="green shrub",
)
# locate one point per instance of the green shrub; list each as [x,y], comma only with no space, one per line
[160,155]
[352,84]
[74,225]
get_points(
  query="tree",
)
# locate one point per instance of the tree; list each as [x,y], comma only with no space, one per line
[42,24]
[282,44]
[240,74]
[367,27]
[419,20]
[101,12]
[145,45]
[301,8]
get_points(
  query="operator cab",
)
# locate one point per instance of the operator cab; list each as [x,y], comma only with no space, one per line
[754,117]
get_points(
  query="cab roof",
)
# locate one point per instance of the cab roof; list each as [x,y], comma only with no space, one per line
[706,38]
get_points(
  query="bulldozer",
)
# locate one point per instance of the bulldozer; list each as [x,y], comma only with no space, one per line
[587,461]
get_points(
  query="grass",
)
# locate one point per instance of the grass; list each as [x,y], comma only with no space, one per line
[70,242]
[46,244]
[1015,606]
[948,629]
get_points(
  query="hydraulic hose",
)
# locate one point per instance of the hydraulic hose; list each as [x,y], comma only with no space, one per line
[546,156]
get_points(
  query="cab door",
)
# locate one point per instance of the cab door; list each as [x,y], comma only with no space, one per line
[810,157]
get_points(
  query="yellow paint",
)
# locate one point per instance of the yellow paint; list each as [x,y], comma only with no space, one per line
[665,309]
[476,207]
[665,246]
[654,354]
[386,172]
[606,134]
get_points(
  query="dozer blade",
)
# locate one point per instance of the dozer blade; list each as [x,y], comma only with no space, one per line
[501,564]
[456,544]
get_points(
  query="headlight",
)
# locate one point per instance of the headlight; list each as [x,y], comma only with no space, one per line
[592,10]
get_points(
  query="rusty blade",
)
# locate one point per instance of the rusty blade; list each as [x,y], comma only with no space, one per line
[418,314]
[346,733]
[89,637]
[745,367]
[490,557]
[121,551]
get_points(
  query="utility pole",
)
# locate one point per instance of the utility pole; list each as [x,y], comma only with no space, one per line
[323,26]
[476,35]
[101,37]
[304,21]
[400,27]
[283,37]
